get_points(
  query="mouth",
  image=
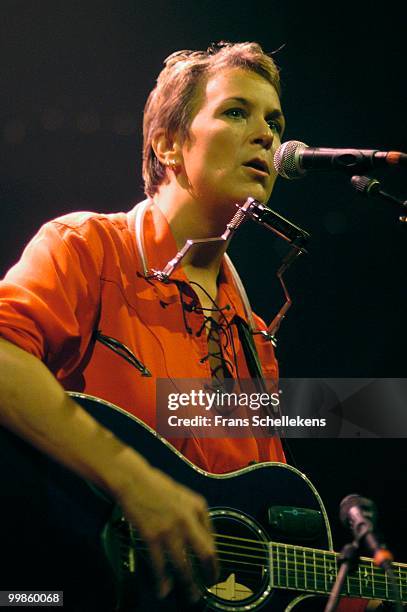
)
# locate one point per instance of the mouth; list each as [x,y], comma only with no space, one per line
[258,165]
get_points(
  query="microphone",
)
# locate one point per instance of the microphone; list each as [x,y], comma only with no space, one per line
[293,159]
[365,185]
[370,188]
[359,514]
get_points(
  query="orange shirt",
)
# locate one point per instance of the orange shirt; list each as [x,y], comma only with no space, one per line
[82,272]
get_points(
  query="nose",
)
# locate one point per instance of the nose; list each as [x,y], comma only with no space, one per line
[263,135]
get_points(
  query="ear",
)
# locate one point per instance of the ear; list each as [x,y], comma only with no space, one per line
[166,148]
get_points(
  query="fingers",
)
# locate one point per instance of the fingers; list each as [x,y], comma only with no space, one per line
[172,565]
[181,566]
[158,562]
[179,548]
[202,542]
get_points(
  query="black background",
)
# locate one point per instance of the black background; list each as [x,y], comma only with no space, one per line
[75,76]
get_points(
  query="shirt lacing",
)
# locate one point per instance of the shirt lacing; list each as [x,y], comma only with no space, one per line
[219,336]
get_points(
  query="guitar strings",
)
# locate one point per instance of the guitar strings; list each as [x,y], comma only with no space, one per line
[291,551]
[286,562]
[260,546]
[298,580]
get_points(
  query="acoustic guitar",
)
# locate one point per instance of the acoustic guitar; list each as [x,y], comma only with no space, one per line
[271,530]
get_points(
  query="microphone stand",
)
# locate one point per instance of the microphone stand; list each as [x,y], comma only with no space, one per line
[359,514]
[348,560]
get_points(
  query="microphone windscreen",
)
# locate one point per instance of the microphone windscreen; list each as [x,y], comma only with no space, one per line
[366,506]
[286,159]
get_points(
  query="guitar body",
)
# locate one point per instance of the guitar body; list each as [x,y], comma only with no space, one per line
[60,533]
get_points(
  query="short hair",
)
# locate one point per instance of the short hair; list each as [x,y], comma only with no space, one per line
[173,102]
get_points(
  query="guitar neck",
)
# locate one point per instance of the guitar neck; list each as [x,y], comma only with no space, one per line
[308,569]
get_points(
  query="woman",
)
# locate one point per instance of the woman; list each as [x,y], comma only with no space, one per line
[84,294]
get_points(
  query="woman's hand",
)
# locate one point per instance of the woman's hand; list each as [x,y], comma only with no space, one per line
[174,523]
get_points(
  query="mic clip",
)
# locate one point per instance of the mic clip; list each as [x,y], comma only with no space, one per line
[271,220]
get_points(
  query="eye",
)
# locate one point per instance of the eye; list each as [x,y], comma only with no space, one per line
[236,113]
[275,126]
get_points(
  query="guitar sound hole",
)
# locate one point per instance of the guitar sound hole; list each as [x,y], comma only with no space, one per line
[243,562]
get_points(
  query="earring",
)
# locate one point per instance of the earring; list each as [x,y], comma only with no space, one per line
[171,164]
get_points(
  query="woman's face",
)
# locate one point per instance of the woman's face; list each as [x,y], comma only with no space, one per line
[228,155]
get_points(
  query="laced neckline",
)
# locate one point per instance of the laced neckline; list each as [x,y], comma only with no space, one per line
[219,334]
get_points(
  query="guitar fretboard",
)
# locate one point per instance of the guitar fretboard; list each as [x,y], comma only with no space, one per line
[308,569]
